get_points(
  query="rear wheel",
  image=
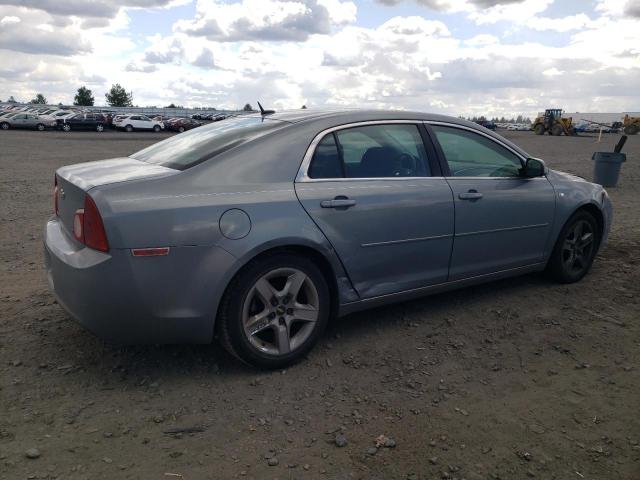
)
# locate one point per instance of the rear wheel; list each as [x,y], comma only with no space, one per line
[180,129]
[66,127]
[539,129]
[129,128]
[274,311]
[99,127]
[575,248]
[156,128]
[4,126]
[631,129]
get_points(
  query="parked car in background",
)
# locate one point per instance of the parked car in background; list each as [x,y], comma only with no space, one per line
[224,232]
[137,122]
[82,121]
[26,120]
[181,124]
[487,124]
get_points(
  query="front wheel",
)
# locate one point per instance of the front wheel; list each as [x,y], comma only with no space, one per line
[4,126]
[66,127]
[99,127]
[180,129]
[557,130]
[539,129]
[40,127]
[575,248]
[274,311]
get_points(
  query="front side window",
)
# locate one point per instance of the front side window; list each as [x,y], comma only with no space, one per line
[371,151]
[470,154]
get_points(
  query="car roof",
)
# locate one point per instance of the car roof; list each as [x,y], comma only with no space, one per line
[328,118]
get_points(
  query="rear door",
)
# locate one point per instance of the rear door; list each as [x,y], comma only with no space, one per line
[376,191]
[19,121]
[502,220]
[144,123]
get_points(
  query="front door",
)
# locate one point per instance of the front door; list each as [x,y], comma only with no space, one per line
[502,220]
[369,189]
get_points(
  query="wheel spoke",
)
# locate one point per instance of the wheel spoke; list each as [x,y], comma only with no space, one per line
[586,239]
[258,322]
[294,284]
[265,290]
[577,231]
[282,339]
[307,313]
[578,262]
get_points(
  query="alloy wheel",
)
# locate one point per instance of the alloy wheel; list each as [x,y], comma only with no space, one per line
[577,248]
[280,311]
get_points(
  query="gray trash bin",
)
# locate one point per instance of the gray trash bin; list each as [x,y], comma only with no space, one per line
[607,167]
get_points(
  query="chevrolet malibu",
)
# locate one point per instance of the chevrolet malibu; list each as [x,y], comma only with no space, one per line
[259,229]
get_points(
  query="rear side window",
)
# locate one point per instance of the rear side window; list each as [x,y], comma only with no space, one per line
[203,143]
[371,151]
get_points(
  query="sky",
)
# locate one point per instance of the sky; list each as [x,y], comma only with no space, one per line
[459,57]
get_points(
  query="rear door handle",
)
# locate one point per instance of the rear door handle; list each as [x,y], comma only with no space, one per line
[470,195]
[338,202]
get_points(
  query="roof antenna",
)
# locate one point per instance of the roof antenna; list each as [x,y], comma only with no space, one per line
[264,112]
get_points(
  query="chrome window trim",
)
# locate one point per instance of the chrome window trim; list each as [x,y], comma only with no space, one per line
[306,160]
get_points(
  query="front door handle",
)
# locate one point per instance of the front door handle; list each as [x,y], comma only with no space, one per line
[338,202]
[470,195]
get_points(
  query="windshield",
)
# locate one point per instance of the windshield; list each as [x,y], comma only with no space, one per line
[187,149]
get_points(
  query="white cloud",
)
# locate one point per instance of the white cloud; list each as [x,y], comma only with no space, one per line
[292,52]
[9,19]
[266,20]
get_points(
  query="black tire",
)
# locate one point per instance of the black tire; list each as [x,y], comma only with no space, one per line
[180,129]
[631,129]
[129,128]
[156,128]
[242,292]
[539,129]
[40,127]
[557,130]
[99,127]
[561,266]
[4,126]
[66,127]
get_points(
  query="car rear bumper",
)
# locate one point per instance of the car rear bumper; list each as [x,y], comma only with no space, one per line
[137,300]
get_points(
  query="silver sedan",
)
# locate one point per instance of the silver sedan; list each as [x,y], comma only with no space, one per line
[260,228]
[26,120]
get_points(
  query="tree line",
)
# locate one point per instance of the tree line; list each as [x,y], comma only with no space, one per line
[482,118]
[117,96]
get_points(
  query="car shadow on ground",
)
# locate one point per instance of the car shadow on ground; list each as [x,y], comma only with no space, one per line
[75,348]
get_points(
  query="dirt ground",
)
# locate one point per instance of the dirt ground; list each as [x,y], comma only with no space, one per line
[517,379]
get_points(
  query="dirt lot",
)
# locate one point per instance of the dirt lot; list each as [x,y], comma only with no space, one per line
[517,379]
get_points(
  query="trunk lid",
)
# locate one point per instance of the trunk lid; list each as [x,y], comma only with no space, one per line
[74,181]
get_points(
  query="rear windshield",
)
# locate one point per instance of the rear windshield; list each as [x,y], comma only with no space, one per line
[190,148]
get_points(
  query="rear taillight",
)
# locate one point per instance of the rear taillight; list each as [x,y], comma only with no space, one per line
[88,227]
[56,193]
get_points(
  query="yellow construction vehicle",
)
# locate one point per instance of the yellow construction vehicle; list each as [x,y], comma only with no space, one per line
[631,125]
[553,122]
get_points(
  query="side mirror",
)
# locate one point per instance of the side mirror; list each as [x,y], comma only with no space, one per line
[533,167]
